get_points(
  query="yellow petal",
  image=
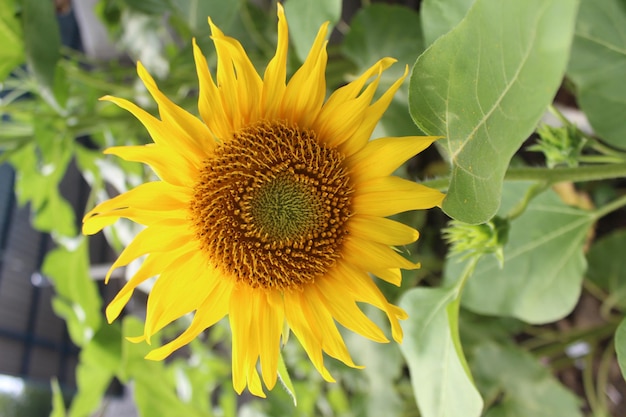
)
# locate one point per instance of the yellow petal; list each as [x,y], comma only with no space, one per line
[209,100]
[381,230]
[181,288]
[345,109]
[386,196]
[150,267]
[274,80]
[167,164]
[163,237]
[381,157]
[209,313]
[156,196]
[372,116]
[306,89]
[189,132]
[342,306]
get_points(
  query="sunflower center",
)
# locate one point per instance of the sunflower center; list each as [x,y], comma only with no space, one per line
[271,206]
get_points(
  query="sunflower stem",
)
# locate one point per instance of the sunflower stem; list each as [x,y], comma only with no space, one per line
[551,175]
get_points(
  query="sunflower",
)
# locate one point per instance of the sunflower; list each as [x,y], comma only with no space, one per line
[271,208]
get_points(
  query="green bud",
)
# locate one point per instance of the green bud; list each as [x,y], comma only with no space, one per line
[560,145]
[469,240]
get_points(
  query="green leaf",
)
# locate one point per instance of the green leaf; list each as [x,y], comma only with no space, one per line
[154,387]
[195,13]
[440,381]
[153,7]
[484,86]
[77,299]
[305,18]
[544,263]
[58,403]
[39,171]
[525,387]
[607,270]
[99,361]
[439,17]
[42,40]
[11,39]
[620,346]
[382,30]
[598,67]
[285,379]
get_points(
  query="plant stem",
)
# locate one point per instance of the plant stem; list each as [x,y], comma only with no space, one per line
[551,175]
[610,207]
[578,174]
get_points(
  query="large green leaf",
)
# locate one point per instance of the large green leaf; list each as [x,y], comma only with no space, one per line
[598,67]
[441,383]
[12,51]
[607,270]
[525,386]
[543,268]
[439,17]
[620,346]
[305,18]
[484,86]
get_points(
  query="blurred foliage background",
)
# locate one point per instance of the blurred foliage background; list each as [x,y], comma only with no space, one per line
[519,307]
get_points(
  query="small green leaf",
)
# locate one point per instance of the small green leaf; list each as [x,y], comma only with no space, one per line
[42,41]
[544,263]
[305,18]
[439,17]
[11,39]
[440,381]
[620,346]
[607,270]
[77,300]
[285,379]
[58,403]
[525,387]
[484,86]
[598,67]
[99,361]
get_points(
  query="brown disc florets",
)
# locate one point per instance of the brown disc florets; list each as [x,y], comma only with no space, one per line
[271,206]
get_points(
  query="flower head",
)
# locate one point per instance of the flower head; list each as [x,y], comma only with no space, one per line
[271,209]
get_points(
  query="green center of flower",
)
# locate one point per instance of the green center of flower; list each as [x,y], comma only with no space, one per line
[271,206]
[285,208]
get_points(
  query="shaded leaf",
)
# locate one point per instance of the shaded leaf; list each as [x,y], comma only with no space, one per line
[439,17]
[543,268]
[42,41]
[484,86]
[195,13]
[382,30]
[620,346]
[305,18]
[440,382]
[526,388]
[607,270]
[598,67]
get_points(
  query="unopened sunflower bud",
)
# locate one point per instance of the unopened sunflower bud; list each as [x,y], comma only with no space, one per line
[560,145]
[469,240]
